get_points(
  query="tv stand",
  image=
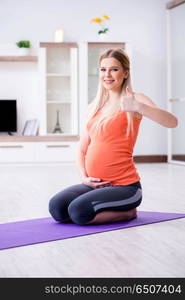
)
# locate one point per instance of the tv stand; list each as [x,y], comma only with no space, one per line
[10,133]
[38,149]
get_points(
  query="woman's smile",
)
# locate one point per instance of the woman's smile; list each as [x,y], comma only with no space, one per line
[108,81]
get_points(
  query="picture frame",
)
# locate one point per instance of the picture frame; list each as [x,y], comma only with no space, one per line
[31,128]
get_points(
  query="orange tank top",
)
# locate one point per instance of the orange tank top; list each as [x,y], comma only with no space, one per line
[109,154]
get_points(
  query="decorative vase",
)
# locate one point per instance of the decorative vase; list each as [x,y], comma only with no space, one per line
[103,36]
[24,51]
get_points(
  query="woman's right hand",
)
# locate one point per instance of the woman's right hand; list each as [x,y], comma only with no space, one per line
[95,182]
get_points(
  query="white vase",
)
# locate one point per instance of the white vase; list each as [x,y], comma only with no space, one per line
[24,51]
[103,37]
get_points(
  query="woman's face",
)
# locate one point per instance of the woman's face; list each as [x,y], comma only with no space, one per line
[112,74]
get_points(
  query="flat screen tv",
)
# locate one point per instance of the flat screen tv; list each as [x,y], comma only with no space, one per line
[8,116]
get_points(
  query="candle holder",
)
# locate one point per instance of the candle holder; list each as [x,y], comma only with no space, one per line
[59,36]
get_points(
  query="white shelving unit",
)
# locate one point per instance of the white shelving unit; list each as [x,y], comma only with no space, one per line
[59,87]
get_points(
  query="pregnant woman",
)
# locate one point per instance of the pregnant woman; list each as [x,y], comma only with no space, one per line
[110,190]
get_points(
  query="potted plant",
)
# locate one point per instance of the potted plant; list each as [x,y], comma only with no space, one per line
[24,47]
[103,29]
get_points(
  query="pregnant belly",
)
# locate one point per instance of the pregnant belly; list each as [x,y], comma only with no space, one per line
[104,163]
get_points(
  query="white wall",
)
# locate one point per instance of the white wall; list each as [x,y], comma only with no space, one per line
[141,22]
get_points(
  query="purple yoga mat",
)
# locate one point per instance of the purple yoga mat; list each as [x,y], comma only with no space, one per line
[22,233]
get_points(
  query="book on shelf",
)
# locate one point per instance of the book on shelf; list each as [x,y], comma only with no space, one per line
[31,128]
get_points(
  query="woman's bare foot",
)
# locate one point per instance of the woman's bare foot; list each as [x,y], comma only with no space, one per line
[114,216]
[132,213]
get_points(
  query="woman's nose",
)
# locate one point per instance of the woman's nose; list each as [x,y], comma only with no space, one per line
[107,73]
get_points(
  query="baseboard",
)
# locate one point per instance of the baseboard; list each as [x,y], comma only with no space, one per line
[180,157]
[150,158]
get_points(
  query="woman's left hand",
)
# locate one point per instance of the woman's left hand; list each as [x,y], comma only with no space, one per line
[128,102]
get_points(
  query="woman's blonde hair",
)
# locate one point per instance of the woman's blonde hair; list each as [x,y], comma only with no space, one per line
[102,93]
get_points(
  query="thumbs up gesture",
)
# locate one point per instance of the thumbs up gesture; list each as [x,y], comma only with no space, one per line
[128,102]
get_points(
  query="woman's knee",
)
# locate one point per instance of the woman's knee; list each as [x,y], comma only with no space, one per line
[81,212]
[58,205]
[57,209]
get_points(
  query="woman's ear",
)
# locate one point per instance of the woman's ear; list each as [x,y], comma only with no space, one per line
[126,74]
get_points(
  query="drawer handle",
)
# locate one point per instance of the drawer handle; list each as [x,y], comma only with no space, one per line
[58,146]
[177,100]
[11,146]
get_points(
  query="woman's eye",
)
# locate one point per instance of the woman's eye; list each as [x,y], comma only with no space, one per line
[104,70]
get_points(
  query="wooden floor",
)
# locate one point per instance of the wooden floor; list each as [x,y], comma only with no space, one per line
[155,250]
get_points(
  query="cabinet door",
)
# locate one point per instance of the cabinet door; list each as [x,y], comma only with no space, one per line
[16,152]
[61,89]
[55,152]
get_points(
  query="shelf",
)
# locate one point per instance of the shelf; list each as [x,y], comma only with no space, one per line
[18,58]
[58,102]
[54,44]
[57,75]
[106,44]
[41,138]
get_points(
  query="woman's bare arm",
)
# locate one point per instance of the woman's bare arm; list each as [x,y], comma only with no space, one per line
[82,150]
[147,108]
[143,105]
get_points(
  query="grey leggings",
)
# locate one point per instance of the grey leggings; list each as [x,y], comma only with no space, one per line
[81,203]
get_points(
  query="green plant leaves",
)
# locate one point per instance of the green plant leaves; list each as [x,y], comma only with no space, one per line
[103,30]
[23,44]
